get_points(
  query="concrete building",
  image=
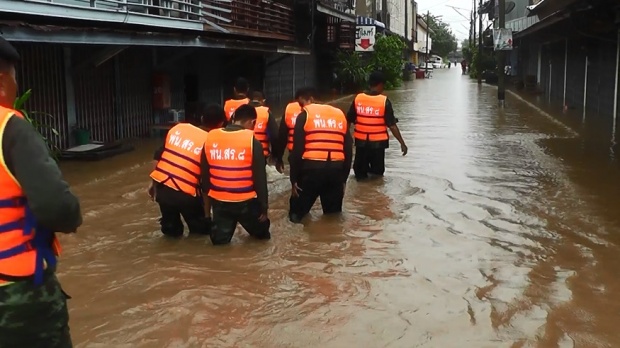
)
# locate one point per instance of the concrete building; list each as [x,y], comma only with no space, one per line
[569,51]
[117,68]
[421,51]
[391,17]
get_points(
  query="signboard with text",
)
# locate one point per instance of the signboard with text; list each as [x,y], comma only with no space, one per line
[365,38]
[502,39]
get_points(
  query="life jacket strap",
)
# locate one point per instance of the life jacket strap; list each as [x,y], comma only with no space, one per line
[15,202]
[41,243]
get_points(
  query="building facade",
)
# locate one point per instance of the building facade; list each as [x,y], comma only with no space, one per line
[116,68]
[423,45]
[569,52]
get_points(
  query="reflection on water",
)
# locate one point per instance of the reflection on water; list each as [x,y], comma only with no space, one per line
[488,234]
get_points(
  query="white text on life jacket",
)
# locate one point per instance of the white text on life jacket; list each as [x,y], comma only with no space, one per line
[227,154]
[184,144]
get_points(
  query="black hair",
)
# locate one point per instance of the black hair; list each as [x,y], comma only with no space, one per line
[258,95]
[8,54]
[376,78]
[305,93]
[242,85]
[213,115]
[245,113]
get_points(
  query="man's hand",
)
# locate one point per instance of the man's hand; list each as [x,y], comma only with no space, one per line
[151,191]
[280,167]
[403,148]
[296,189]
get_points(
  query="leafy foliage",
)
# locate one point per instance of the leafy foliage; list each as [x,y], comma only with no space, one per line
[486,60]
[444,40]
[353,68]
[35,119]
[388,58]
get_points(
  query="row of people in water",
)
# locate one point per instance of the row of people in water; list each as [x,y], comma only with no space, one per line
[213,173]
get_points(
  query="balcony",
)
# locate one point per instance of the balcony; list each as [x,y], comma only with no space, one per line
[177,14]
[258,18]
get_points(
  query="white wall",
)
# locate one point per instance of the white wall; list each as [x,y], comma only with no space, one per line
[396,9]
[410,20]
[421,44]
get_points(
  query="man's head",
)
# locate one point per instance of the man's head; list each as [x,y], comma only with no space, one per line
[305,96]
[258,97]
[213,116]
[242,87]
[376,81]
[245,116]
[8,84]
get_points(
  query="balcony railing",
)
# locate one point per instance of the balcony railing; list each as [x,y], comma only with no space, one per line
[181,14]
[260,18]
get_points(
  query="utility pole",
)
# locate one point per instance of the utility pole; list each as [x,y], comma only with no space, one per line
[479,62]
[428,30]
[473,23]
[501,60]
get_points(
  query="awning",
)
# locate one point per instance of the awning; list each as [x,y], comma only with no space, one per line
[549,6]
[328,10]
[369,21]
[544,23]
[22,32]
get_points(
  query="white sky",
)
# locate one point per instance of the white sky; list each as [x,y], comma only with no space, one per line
[458,23]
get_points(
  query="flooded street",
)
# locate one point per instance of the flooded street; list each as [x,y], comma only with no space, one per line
[487,234]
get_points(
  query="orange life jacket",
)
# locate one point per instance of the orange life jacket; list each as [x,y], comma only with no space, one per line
[325,131]
[290,116]
[260,129]
[232,104]
[370,121]
[179,166]
[229,154]
[25,248]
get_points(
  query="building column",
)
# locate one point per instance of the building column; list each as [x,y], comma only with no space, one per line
[585,90]
[615,115]
[565,67]
[70,95]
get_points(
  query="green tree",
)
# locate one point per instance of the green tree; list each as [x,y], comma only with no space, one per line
[388,57]
[444,40]
[351,70]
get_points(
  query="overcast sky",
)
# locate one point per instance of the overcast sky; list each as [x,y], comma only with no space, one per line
[458,23]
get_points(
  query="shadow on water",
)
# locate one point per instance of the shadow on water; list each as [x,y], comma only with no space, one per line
[480,237]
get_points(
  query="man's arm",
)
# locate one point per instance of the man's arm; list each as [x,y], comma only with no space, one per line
[205,175]
[274,139]
[48,195]
[348,155]
[205,182]
[259,176]
[299,144]
[352,113]
[282,139]
[391,121]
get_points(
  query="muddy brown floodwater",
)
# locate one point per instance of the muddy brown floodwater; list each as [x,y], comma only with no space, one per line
[488,234]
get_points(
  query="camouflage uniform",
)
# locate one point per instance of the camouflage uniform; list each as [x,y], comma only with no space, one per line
[34,316]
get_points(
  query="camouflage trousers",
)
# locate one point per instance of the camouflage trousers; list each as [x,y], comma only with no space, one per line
[34,316]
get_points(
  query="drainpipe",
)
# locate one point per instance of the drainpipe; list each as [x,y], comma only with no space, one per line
[565,66]
[615,116]
[585,91]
